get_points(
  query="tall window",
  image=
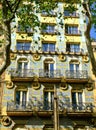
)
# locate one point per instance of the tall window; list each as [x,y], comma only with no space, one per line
[26,28]
[70,29]
[74,66]
[48,47]
[23,46]
[47,28]
[74,70]
[48,100]
[22,67]
[77,100]
[21,98]
[49,68]
[72,47]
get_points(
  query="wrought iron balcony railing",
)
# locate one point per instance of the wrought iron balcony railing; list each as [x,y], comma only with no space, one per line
[50,74]
[39,106]
[73,74]
[22,73]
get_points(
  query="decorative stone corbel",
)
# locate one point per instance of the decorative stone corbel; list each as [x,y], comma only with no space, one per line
[85,58]
[36,57]
[35,84]
[89,86]
[13,56]
[6,121]
[62,57]
[63,85]
[9,84]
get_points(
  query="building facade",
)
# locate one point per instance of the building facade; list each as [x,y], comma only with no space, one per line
[48,82]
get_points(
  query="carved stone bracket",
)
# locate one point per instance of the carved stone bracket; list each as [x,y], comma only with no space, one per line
[13,56]
[9,84]
[35,84]
[63,85]
[85,58]
[89,85]
[36,57]
[62,57]
[6,121]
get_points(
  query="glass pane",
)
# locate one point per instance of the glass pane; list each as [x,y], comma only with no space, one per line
[71,67]
[26,46]
[19,46]
[52,47]
[45,47]
[79,96]
[24,94]
[51,67]
[25,65]
[46,103]
[74,101]
[19,66]
[52,100]
[77,67]
[17,97]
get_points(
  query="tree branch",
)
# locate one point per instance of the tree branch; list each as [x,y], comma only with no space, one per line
[87,34]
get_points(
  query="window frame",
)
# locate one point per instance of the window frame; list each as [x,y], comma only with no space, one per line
[21,45]
[50,46]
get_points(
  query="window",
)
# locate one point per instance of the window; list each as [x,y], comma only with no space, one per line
[48,28]
[26,29]
[49,68]
[23,46]
[48,47]
[49,12]
[23,68]
[21,98]
[69,29]
[72,47]
[74,66]
[72,14]
[77,100]
[48,100]
[74,70]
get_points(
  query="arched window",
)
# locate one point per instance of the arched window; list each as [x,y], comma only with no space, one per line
[20,127]
[21,97]
[22,67]
[49,67]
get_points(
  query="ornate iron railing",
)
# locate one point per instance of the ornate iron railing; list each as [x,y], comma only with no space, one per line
[50,74]
[39,106]
[22,73]
[72,74]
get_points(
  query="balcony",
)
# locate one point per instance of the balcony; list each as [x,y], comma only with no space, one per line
[42,109]
[72,74]
[22,73]
[50,74]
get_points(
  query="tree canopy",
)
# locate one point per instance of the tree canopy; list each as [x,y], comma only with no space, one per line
[26,11]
